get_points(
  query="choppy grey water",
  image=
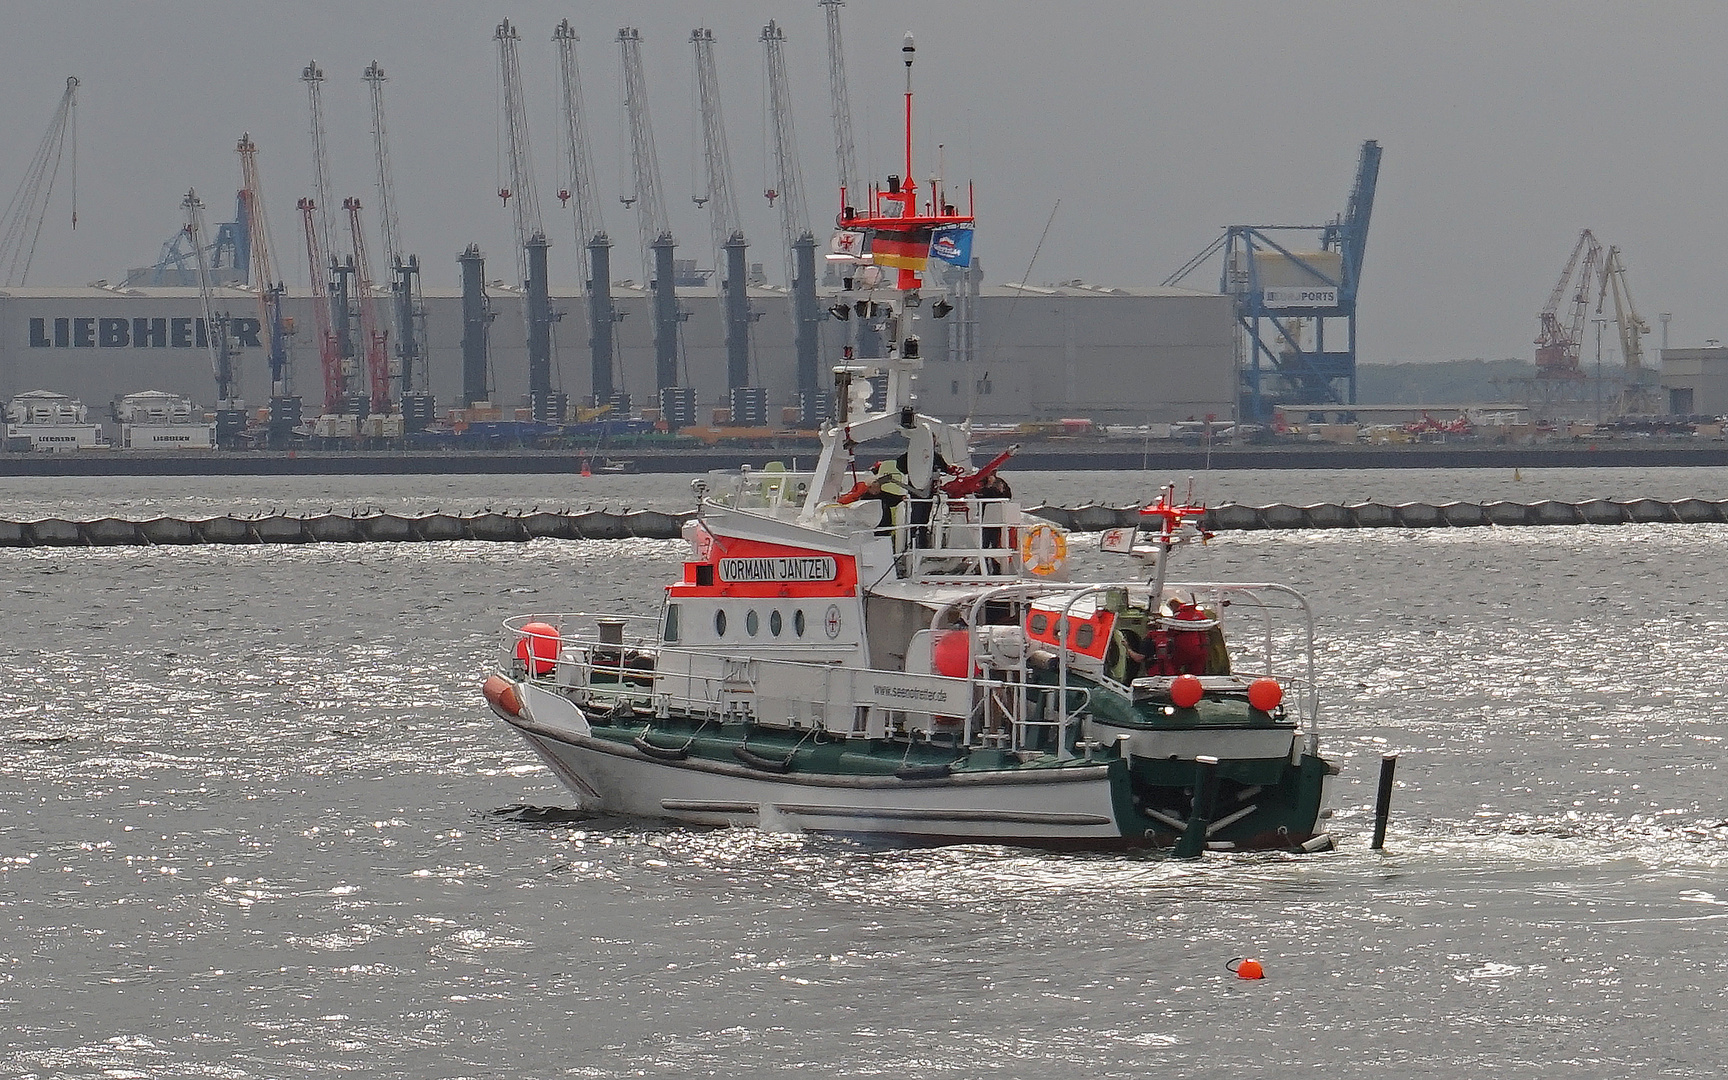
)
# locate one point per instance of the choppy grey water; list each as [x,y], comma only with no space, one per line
[254,822]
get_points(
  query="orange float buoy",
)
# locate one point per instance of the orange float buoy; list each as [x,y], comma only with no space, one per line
[1265,694]
[1245,968]
[949,655]
[539,641]
[1186,691]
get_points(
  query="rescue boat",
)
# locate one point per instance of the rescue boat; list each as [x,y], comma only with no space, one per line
[900,652]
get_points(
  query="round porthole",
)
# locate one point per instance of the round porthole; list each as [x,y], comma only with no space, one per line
[720,624]
[1040,622]
[798,622]
[752,622]
[1083,635]
[775,623]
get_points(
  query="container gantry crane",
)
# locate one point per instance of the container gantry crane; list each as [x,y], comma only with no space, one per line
[729,243]
[285,408]
[28,210]
[1286,295]
[407,304]
[590,229]
[531,241]
[798,241]
[653,228]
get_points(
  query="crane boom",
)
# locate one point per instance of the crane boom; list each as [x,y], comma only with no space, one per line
[1556,342]
[1631,325]
[389,227]
[265,273]
[729,243]
[722,200]
[313,76]
[652,222]
[215,336]
[590,228]
[794,217]
[522,189]
[329,349]
[579,162]
[840,103]
[377,341]
[28,210]
[531,241]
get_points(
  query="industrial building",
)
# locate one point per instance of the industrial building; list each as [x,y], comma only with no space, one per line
[1695,381]
[1111,354]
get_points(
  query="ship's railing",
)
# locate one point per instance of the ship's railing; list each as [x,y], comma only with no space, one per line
[1301,685]
[960,539]
[605,670]
[773,490]
[608,661]
[1284,652]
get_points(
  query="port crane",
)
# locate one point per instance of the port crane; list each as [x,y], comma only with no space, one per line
[839,101]
[230,409]
[1636,394]
[1559,337]
[267,280]
[1287,295]
[407,304]
[653,228]
[375,339]
[531,241]
[313,76]
[579,193]
[722,202]
[329,349]
[798,242]
[28,210]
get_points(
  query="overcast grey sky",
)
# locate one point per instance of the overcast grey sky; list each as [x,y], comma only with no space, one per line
[1506,127]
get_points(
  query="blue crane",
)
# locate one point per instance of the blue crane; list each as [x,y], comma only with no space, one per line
[1287,292]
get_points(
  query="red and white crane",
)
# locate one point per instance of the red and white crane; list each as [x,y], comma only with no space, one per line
[329,350]
[375,340]
[1557,342]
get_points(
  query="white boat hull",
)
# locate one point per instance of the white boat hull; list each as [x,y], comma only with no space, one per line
[1071,806]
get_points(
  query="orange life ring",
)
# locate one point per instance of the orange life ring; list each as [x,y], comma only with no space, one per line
[1043,550]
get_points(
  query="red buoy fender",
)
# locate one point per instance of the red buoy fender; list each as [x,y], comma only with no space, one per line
[501,693]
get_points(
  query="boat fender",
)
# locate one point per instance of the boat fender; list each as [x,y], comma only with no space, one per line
[1041,660]
[925,772]
[660,753]
[757,761]
[501,693]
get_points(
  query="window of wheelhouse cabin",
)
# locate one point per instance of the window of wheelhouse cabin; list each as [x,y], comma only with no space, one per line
[670,631]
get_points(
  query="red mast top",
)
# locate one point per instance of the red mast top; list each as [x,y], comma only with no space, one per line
[893,230]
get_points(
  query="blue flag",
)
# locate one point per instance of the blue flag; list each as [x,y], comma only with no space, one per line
[952,244]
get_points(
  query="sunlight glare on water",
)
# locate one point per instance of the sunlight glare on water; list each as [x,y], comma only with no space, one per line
[257,823]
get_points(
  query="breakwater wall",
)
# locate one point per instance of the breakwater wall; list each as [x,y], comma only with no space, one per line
[603,524]
[1371,515]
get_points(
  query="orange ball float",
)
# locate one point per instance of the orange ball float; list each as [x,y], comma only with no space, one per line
[1265,694]
[538,647]
[1186,691]
[948,656]
[1248,969]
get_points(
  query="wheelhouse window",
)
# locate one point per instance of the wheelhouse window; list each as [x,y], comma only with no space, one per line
[670,632]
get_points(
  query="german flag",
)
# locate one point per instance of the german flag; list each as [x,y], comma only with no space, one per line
[903,249]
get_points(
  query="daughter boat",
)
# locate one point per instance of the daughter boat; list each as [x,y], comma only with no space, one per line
[900,653]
